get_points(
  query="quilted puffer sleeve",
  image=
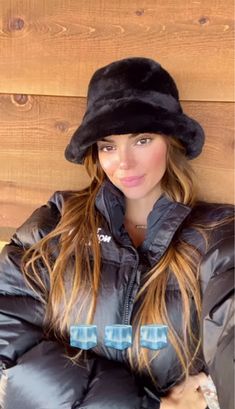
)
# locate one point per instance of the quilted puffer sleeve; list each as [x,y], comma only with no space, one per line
[218,314]
[218,335]
[45,379]
[21,312]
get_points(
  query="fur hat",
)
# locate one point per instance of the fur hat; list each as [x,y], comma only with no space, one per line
[133,95]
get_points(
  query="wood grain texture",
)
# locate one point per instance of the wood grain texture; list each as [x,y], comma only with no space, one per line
[53,47]
[36,129]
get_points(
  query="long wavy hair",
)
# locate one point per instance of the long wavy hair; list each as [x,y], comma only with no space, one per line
[70,289]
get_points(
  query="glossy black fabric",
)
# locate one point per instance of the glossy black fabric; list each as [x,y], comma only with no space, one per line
[41,377]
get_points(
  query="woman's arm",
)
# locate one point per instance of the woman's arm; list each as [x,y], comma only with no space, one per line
[218,335]
[21,311]
[217,274]
[44,378]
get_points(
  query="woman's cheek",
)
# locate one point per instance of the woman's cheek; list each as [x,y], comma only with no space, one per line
[158,156]
[108,165]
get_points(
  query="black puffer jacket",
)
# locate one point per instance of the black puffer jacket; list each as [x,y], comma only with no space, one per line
[35,373]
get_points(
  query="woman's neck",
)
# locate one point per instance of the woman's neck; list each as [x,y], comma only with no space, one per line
[137,210]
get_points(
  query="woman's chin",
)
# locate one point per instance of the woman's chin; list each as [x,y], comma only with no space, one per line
[135,194]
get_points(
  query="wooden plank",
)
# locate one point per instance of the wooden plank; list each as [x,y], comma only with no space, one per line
[36,129]
[5,235]
[58,44]
[218,186]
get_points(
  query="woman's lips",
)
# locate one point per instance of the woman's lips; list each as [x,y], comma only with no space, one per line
[132,181]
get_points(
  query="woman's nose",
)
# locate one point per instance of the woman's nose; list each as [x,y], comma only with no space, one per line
[126,159]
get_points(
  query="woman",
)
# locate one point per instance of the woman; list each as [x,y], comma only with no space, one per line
[135,248]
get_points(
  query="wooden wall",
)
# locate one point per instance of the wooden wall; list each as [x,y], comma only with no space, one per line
[50,49]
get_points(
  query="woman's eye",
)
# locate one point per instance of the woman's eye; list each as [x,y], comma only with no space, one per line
[105,148]
[144,141]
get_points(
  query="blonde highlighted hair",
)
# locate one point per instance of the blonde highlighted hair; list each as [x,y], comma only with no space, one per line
[74,281]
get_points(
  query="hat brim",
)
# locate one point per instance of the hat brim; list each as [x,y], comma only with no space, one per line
[134,116]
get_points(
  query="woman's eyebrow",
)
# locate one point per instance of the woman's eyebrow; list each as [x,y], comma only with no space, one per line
[133,135]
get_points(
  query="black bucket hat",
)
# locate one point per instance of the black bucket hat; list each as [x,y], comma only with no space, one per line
[133,95]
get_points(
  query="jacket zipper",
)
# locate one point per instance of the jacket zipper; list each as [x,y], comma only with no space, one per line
[132,280]
[130,287]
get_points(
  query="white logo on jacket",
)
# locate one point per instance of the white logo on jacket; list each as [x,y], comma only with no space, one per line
[103,237]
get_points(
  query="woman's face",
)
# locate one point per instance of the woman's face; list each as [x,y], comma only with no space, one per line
[134,163]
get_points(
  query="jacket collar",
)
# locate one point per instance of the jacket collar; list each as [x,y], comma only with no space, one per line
[162,223]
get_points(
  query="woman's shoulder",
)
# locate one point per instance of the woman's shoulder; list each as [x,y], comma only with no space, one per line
[60,196]
[216,220]
[216,217]
[42,220]
[204,211]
